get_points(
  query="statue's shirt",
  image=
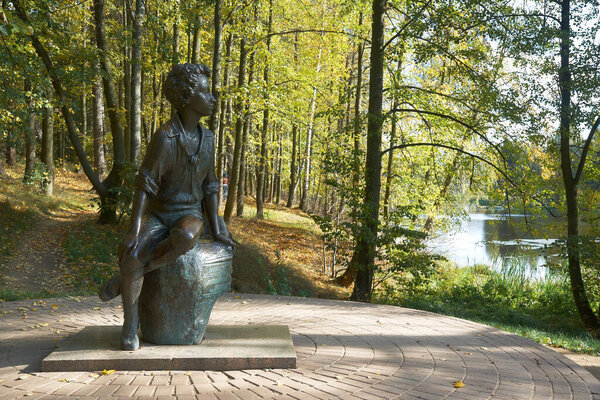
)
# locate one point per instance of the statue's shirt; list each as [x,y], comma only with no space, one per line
[176,179]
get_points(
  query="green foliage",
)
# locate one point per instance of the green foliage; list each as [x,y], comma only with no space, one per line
[90,251]
[278,283]
[121,197]
[38,175]
[543,311]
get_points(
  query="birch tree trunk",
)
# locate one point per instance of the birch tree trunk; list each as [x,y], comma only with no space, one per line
[309,136]
[260,179]
[30,138]
[127,78]
[48,146]
[293,179]
[216,73]
[390,161]
[247,127]
[196,40]
[136,82]
[98,126]
[279,163]
[294,160]
[223,105]
[237,151]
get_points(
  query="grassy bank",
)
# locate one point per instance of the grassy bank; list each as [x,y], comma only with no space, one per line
[540,310]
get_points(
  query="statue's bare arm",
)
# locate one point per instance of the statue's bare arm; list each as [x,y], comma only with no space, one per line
[131,239]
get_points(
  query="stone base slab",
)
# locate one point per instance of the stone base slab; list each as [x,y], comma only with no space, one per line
[224,348]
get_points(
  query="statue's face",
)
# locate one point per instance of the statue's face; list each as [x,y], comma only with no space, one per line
[202,101]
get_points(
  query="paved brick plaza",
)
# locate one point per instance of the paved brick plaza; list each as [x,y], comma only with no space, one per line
[345,350]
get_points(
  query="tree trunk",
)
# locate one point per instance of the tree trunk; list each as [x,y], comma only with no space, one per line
[48,146]
[216,71]
[242,173]
[309,136]
[223,104]
[98,121]
[228,138]
[364,253]
[279,163]
[61,147]
[247,128]
[357,114]
[294,160]
[175,56]
[110,95]
[11,152]
[293,179]
[127,84]
[84,118]
[136,82]
[237,151]
[196,40]
[262,159]
[273,166]
[390,161]
[114,178]
[589,319]
[349,274]
[30,138]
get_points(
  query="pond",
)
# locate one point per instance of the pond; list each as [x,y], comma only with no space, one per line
[496,240]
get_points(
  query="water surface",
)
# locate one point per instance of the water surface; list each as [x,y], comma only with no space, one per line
[497,240]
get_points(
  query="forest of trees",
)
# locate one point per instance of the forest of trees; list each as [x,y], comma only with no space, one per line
[379,118]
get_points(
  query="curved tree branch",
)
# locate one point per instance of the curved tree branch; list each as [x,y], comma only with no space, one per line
[586,148]
[454,119]
[407,24]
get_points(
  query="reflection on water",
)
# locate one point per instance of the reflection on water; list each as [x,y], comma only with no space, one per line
[492,239]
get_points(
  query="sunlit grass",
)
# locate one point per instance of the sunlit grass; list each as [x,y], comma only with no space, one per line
[284,217]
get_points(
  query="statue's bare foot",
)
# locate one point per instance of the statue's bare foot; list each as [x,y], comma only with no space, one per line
[110,289]
[129,342]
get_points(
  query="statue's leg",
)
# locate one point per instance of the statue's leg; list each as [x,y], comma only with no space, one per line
[131,279]
[181,239]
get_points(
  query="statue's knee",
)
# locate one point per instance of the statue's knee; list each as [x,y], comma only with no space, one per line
[182,240]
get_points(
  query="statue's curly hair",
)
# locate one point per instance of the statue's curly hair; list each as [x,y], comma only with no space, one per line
[181,81]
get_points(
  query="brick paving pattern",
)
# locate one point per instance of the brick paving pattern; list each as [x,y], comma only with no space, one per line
[345,350]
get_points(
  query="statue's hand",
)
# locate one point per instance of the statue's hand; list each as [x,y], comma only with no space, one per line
[128,244]
[225,240]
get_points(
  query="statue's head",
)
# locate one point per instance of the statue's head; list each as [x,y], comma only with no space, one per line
[183,81]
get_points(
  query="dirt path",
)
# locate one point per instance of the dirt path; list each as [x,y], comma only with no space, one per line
[38,261]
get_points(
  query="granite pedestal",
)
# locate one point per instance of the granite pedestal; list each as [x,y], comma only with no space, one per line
[224,348]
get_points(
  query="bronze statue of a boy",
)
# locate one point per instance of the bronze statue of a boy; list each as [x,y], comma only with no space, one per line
[175,185]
